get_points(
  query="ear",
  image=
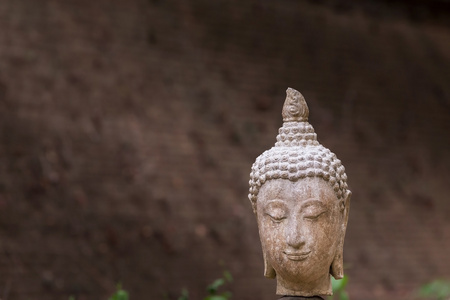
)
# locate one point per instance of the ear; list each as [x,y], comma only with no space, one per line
[346,200]
[337,266]
[269,271]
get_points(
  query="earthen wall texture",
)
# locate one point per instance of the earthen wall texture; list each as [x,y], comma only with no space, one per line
[128,129]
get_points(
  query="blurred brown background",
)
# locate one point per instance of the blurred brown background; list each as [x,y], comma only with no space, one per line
[128,129]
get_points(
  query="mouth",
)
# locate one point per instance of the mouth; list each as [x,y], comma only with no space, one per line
[297,256]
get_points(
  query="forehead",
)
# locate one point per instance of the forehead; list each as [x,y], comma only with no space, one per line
[302,189]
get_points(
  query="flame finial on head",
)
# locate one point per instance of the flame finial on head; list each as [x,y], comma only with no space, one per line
[295,108]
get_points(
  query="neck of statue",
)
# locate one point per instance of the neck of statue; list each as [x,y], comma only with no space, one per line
[321,287]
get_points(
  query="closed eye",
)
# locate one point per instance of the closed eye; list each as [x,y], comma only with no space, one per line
[276,218]
[276,210]
[314,216]
[313,209]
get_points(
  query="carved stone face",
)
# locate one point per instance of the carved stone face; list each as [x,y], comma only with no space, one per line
[301,225]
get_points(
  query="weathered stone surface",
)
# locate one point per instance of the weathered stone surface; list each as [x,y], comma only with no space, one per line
[299,194]
[300,298]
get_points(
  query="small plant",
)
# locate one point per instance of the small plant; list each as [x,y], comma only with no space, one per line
[120,294]
[213,288]
[438,289]
[339,291]
[184,295]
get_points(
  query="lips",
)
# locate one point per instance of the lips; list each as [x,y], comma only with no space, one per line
[297,256]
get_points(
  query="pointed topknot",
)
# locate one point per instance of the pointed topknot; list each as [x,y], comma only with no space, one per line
[295,108]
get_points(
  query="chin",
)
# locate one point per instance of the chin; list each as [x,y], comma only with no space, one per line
[302,271]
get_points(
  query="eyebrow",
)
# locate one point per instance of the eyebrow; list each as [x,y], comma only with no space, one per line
[311,202]
[275,201]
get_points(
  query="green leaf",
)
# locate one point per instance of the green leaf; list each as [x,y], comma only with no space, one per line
[227,276]
[212,288]
[439,289]
[339,285]
[119,294]
[343,296]
[184,295]
[216,297]
[122,295]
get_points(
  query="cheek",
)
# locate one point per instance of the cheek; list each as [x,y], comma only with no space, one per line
[272,229]
[326,233]
[271,233]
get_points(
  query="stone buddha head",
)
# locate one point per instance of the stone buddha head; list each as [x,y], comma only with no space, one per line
[299,193]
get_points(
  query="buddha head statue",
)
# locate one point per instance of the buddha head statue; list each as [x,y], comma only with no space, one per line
[298,190]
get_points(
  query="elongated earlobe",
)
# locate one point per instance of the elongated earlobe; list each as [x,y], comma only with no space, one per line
[269,271]
[337,266]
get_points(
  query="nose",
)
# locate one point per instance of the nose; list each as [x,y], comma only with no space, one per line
[295,234]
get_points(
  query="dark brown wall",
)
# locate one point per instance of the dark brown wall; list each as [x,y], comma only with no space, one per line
[128,128]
